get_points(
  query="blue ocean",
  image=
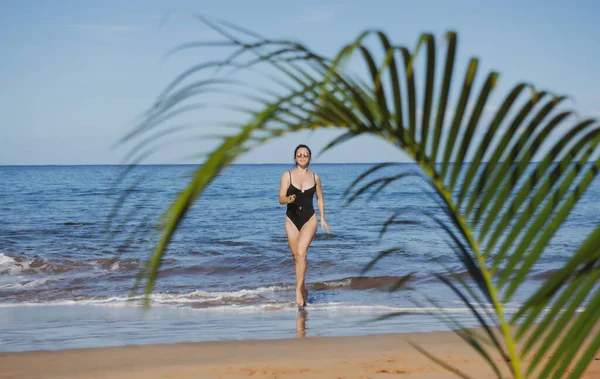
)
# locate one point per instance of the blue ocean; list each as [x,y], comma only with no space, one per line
[73,240]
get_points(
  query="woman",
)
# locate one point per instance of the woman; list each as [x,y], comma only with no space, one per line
[296,190]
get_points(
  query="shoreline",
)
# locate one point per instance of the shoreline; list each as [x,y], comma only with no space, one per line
[96,326]
[371,356]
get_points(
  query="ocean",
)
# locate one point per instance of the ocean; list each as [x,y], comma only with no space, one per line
[69,258]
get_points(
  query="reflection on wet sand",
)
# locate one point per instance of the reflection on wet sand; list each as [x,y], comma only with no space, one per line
[301,317]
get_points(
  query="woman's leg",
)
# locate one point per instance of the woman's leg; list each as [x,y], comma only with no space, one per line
[305,237]
[292,235]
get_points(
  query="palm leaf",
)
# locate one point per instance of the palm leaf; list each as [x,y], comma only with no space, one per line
[498,211]
[443,98]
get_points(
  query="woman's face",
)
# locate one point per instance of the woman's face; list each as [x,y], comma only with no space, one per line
[302,156]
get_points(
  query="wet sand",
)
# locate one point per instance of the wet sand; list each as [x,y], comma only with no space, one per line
[377,356]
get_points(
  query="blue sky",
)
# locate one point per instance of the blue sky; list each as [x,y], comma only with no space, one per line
[76,74]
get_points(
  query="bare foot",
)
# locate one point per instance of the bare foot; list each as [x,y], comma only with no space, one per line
[300,302]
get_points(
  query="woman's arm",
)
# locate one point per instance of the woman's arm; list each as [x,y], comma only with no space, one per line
[283,186]
[321,204]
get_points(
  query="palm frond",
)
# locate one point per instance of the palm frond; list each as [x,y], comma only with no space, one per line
[504,186]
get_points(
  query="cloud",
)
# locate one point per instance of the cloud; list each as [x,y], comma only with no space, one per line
[104,28]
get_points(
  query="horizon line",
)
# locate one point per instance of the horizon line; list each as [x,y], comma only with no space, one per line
[232,164]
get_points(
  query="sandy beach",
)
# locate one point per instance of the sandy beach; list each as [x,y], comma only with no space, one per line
[379,356]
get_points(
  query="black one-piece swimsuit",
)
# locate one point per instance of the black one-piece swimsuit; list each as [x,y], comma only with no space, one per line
[301,210]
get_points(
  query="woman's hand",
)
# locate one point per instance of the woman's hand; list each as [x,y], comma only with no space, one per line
[325,226]
[291,199]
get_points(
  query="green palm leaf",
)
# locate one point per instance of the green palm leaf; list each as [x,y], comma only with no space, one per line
[525,174]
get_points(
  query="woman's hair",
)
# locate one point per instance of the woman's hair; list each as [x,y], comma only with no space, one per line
[300,147]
